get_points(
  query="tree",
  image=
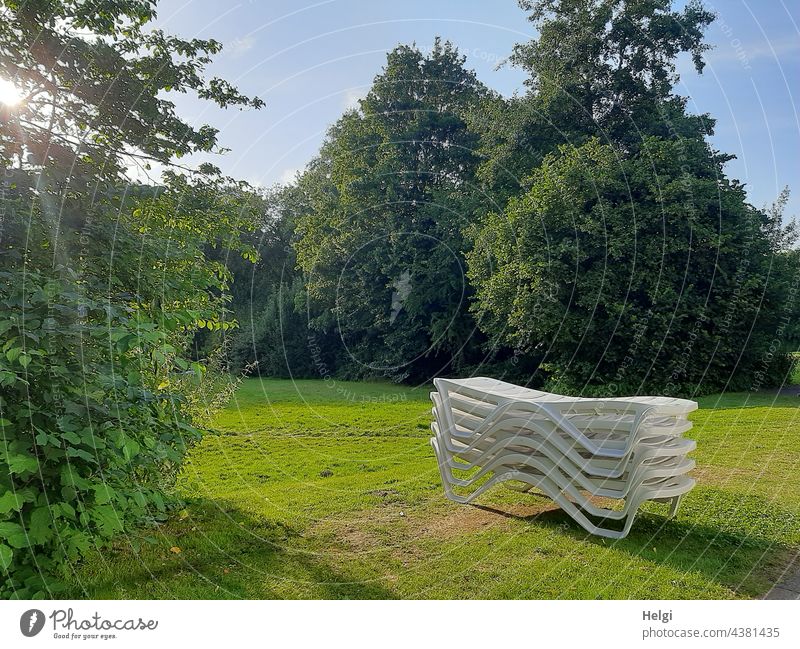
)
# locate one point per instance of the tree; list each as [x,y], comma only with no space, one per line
[275,337]
[93,80]
[624,259]
[103,284]
[649,272]
[279,341]
[381,246]
[598,68]
[272,238]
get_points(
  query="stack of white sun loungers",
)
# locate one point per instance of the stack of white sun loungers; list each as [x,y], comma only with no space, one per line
[572,449]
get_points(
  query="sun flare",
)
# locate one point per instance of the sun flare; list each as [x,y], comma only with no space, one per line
[10,95]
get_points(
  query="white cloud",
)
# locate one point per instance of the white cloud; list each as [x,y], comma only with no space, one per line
[255,182]
[352,97]
[288,176]
[239,46]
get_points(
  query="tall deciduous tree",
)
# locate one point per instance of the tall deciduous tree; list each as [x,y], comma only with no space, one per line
[646,272]
[382,245]
[597,68]
[628,260]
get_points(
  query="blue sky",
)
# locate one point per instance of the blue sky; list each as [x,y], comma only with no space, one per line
[311,60]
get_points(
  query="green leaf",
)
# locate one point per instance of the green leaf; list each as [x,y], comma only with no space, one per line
[159,501]
[77,452]
[6,555]
[107,519]
[22,463]
[127,342]
[78,544]
[13,534]
[130,449]
[67,509]
[72,438]
[39,528]
[103,494]
[10,501]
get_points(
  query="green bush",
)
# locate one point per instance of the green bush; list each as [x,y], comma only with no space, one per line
[98,404]
[91,433]
[103,284]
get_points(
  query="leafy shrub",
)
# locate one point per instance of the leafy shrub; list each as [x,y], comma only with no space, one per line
[102,288]
[90,437]
[99,397]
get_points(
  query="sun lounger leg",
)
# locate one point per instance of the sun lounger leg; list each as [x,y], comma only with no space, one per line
[673,508]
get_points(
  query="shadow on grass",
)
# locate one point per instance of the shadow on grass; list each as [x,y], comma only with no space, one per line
[218,552]
[743,543]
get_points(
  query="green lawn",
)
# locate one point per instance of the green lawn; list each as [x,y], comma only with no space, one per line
[314,489]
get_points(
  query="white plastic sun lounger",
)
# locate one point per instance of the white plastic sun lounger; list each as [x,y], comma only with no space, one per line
[483,385]
[666,491]
[568,477]
[571,449]
[587,420]
[514,433]
[545,476]
[637,472]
